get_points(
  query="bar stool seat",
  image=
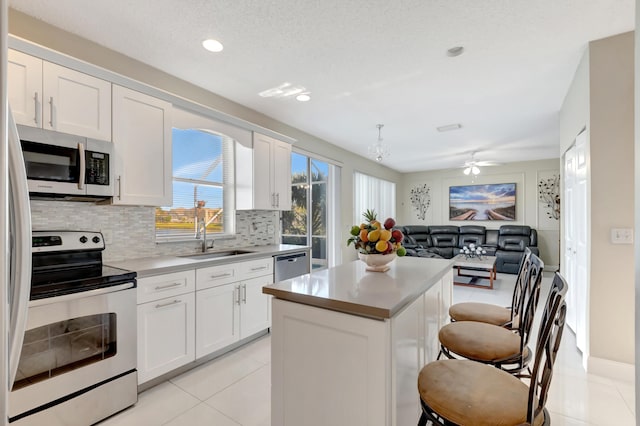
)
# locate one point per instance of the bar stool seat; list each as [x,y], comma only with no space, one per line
[469,393]
[481,312]
[482,342]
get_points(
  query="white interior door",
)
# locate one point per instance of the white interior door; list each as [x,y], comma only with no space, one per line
[581,282]
[568,208]
[576,236]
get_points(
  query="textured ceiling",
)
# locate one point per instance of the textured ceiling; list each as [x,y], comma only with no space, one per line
[370,62]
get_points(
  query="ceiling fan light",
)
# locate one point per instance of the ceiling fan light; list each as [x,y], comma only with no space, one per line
[467,170]
[475,170]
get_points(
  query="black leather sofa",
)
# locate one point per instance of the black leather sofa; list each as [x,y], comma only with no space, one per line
[507,243]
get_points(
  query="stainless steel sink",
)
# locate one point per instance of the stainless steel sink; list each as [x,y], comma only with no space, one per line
[216,254]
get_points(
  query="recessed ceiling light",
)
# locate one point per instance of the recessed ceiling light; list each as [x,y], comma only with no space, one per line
[455,51]
[212,45]
[303,98]
[449,127]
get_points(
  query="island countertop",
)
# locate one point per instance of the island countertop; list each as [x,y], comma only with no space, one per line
[349,288]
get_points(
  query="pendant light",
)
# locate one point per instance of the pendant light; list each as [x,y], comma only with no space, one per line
[379,150]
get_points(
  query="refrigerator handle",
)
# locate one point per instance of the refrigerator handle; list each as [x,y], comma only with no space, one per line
[20,276]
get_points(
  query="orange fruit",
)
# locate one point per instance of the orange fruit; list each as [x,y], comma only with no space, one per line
[363,235]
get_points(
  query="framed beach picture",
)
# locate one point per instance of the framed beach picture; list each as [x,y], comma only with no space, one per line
[483,202]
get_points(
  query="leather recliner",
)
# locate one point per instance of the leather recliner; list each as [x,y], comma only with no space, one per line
[512,240]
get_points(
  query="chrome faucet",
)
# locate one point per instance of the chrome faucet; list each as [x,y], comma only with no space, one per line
[202,225]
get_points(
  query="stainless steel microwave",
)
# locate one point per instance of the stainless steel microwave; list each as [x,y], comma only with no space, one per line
[66,166]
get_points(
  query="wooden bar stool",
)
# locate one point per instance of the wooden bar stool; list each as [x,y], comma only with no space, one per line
[462,392]
[490,344]
[494,314]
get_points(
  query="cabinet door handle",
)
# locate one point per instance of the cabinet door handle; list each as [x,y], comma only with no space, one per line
[35,101]
[237,288]
[259,268]
[226,274]
[164,287]
[51,120]
[244,293]
[273,199]
[119,188]
[162,305]
[278,199]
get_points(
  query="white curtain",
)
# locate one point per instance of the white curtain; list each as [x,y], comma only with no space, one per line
[373,194]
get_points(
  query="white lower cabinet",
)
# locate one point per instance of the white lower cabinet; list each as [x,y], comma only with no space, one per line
[166,323]
[230,312]
[187,315]
[254,309]
[217,316]
[166,335]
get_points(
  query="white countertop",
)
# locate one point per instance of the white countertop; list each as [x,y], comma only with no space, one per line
[148,266]
[351,289]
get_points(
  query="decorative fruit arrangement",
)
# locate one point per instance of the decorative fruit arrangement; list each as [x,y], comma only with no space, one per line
[373,237]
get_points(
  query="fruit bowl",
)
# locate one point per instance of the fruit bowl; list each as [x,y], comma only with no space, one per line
[377,262]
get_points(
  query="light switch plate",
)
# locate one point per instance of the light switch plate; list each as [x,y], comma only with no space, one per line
[622,235]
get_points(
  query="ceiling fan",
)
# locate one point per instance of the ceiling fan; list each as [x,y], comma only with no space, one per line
[473,166]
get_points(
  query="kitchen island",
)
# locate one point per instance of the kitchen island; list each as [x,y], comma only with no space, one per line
[347,344]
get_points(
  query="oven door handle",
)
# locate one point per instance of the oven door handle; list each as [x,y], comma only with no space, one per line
[81,294]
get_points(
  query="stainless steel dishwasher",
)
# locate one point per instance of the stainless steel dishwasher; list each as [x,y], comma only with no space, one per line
[291,265]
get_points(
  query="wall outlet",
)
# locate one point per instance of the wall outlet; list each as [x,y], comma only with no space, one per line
[622,235]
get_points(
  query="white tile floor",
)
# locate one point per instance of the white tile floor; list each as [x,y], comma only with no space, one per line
[235,389]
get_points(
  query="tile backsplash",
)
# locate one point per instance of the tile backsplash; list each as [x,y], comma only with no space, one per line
[130,230]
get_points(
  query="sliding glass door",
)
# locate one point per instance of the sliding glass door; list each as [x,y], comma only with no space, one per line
[306,223]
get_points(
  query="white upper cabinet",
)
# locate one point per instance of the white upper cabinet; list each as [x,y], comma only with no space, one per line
[263,175]
[46,95]
[25,88]
[142,139]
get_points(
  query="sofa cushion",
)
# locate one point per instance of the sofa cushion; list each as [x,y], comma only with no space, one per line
[514,237]
[471,235]
[420,233]
[443,229]
[515,230]
[491,238]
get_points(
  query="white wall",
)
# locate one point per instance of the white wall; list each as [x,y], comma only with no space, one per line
[601,99]
[529,211]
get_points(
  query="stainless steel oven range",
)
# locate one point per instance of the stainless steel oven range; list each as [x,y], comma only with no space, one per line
[78,360]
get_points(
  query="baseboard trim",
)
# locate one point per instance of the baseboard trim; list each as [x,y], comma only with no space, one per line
[611,369]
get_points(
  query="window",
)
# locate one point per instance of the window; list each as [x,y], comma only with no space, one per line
[373,194]
[306,222]
[202,184]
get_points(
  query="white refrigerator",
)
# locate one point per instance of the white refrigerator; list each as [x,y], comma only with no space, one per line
[15,233]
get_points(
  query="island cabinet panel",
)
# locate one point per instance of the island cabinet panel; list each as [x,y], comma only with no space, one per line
[408,349]
[328,368]
[356,368]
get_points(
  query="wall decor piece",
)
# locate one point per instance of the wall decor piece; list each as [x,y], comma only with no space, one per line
[483,202]
[421,200]
[549,195]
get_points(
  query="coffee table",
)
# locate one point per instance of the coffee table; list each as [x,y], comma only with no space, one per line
[485,264]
